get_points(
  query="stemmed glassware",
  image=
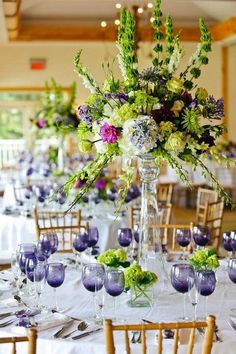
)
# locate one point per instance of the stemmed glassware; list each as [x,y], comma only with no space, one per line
[93,277]
[50,242]
[226,240]
[201,235]
[92,238]
[232,270]
[180,274]
[114,284]
[205,283]
[30,265]
[80,244]
[183,238]
[55,276]
[233,241]
[15,269]
[124,237]
[193,293]
[39,280]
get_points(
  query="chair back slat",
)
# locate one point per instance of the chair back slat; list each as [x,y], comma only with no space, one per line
[170,230]
[31,339]
[164,192]
[63,225]
[213,218]
[204,196]
[176,326]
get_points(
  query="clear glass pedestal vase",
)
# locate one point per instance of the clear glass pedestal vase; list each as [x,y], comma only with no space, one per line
[142,296]
[150,255]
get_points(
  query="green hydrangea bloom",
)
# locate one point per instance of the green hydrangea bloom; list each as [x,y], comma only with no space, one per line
[166,127]
[121,255]
[201,94]
[175,142]
[136,277]
[143,99]
[175,85]
[205,259]
[113,258]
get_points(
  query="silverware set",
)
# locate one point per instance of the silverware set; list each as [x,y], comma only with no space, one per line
[80,327]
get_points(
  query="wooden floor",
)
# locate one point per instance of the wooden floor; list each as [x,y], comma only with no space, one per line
[183,215]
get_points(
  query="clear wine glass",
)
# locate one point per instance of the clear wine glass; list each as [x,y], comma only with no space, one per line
[55,276]
[201,235]
[39,281]
[42,252]
[15,269]
[30,264]
[93,277]
[193,292]
[124,237]
[80,244]
[183,238]
[205,283]
[180,274]
[114,285]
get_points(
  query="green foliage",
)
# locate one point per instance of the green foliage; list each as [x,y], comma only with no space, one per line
[205,259]
[114,258]
[135,276]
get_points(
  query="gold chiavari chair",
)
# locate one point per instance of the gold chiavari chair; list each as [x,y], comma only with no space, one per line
[164,192]
[168,234]
[209,324]
[204,196]
[63,224]
[213,218]
[31,339]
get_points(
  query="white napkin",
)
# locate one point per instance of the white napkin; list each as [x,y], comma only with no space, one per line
[10,302]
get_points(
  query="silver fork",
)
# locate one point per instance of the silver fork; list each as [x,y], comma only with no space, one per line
[133,339]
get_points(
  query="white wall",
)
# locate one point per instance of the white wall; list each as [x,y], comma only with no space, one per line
[232,93]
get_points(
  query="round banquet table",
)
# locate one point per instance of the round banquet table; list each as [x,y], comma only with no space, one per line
[15,229]
[168,306]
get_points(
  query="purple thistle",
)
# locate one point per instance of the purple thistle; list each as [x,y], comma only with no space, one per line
[151,75]
[41,123]
[194,103]
[108,133]
[84,114]
[123,98]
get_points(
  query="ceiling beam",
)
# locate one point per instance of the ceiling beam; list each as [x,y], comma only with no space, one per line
[3,30]
[63,33]
[224,30]
[12,17]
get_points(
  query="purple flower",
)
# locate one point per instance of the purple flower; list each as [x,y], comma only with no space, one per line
[101,184]
[123,98]
[151,75]
[162,114]
[56,117]
[84,114]
[78,184]
[194,103]
[41,123]
[108,133]
[187,98]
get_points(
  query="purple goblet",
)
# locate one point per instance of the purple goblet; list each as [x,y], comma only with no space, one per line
[201,235]
[55,276]
[80,244]
[93,277]
[50,241]
[124,236]
[233,241]
[205,284]
[181,274]
[114,284]
[183,238]
[226,240]
[232,270]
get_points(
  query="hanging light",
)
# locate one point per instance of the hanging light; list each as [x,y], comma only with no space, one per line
[140,10]
[103,24]
[118,5]
[117,22]
[151,19]
[150,5]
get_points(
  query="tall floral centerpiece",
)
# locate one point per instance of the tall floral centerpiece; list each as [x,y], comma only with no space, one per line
[156,115]
[56,116]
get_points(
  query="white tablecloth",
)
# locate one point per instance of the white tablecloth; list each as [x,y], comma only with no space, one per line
[167,307]
[18,229]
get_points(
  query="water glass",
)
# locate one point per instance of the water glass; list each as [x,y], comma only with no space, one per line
[93,236]
[39,280]
[193,293]
[233,241]
[180,274]
[183,238]
[50,240]
[205,283]
[201,235]
[55,276]
[114,284]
